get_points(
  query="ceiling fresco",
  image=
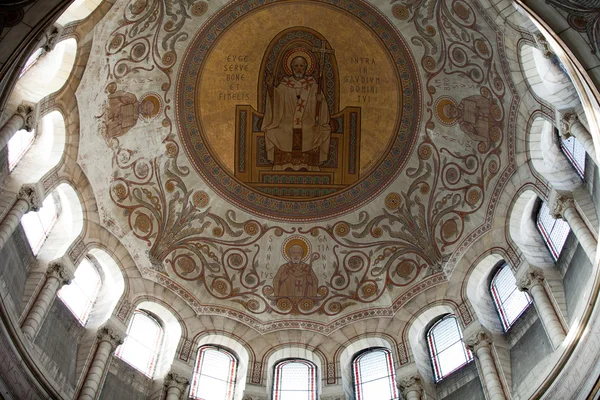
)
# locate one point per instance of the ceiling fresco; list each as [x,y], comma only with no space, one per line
[301,159]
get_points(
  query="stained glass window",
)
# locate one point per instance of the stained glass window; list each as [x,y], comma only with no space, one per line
[295,380]
[37,225]
[575,152]
[18,145]
[509,300]
[142,343]
[446,347]
[81,294]
[374,377]
[554,231]
[214,374]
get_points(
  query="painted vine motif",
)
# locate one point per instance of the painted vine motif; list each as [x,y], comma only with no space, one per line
[356,261]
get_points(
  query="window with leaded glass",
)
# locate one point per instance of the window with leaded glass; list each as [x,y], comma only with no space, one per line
[37,225]
[509,300]
[374,377]
[554,231]
[80,295]
[214,374]
[446,347]
[142,343]
[575,152]
[295,380]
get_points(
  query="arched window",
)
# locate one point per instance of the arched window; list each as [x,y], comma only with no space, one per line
[295,380]
[446,348]
[575,152]
[554,231]
[142,343]
[509,300]
[81,294]
[37,225]
[18,146]
[214,374]
[374,377]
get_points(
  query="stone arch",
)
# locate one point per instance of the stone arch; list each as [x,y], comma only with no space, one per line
[172,328]
[546,78]
[282,352]
[237,346]
[350,350]
[48,75]
[45,152]
[77,11]
[524,232]
[416,332]
[547,157]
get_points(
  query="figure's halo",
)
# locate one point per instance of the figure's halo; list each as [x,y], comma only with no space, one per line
[156,102]
[299,52]
[440,114]
[296,240]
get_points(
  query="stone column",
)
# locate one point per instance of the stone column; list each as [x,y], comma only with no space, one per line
[532,280]
[30,198]
[480,343]
[411,387]
[255,392]
[23,118]
[571,126]
[176,385]
[59,273]
[110,336]
[563,206]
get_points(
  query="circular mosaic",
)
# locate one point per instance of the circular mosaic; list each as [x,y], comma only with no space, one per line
[300,120]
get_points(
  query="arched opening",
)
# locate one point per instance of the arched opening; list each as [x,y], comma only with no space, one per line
[295,379]
[214,374]
[374,375]
[447,350]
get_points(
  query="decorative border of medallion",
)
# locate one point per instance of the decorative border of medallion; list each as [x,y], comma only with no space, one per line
[390,164]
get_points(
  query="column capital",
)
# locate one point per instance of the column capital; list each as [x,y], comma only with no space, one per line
[478,339]
[566,123]
[52,36]
[543,46]
[175,380]
[558,203]
[410,384]
[27,111]
[528,278]
[59,270]
[111,332]
[33,194]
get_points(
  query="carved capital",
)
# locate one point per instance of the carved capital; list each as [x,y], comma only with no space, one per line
[559,205]
[477,340]
[52,36]
[544,46]
[27,112]
[33,195]
[254,397]
[566,124]
[529,279]
[174,380]
[111,335]
[60,271]
[410,384]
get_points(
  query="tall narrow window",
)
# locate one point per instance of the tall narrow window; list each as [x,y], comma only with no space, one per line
[142,343]
[374,377]
[295,380]
[81,294]
[214,374]
[575,152]
[509,300]
[37,225]
[18,145]
[446,348]
[554,231]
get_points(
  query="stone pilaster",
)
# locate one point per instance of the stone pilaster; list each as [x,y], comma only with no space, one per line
[176,385]
[479,341]
[570,125]
[30,198]
[411,387]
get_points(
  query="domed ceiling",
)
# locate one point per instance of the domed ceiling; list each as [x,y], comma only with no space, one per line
[286,162]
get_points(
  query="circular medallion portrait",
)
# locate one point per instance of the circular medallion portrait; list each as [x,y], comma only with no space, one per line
[301,120]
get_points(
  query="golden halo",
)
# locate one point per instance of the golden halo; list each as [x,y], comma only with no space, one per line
[156,102]
[439,109]
[293,241]
[299,52]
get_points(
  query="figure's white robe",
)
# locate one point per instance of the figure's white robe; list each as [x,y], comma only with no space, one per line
[286,112]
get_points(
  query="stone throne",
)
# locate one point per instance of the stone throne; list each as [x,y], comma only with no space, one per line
[342,167]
